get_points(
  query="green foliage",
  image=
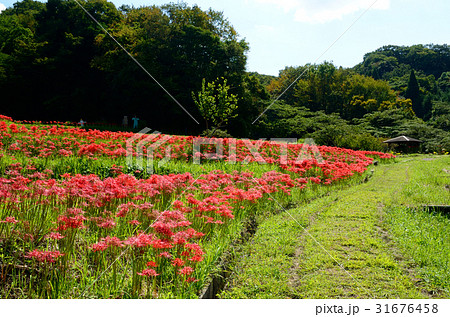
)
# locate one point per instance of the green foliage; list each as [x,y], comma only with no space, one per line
[385,62]
[435,140]
[348,136]
[338,107]
[413,92]
[284,120]
[394,122]
[444,82]
[383,123]
[215,103]
[216,133]
[265,80]
[74,70]
[441,115]
[396,64]
[325,88]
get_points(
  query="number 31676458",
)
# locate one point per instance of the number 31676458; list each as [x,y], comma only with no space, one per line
[407,308]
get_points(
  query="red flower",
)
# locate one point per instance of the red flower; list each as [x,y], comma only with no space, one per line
[177,262]
[9,220]
[177,204]
[162,244]
[196,258]
[134,222]
[54,236]
[101,246]
[165,255]
[103,222]
[191,279]
[148,272]
[140,241]
[163,228]
[107,242]
[70,222]
[187,270]
[3,117]
[152,264]
[44,256]
[194,248]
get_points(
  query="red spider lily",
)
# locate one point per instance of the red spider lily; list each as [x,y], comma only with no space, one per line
[151,263]
[163,228]
[187,270]
[9,220]
[96,143]
[2,117]
[134,222]
[162,244]
[166,255]
[106,243]
[191,280]
[177,262]
[177,204]
[196,258]
[13,128]
[141,241]
[74,222]
[103,223]
[101,246]
[148,272]
[3,126]
[315,180]
[192,233]
[44,256]
[124,209]
[54,236]
[193,250]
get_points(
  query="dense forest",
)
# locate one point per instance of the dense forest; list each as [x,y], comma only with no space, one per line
[56,63]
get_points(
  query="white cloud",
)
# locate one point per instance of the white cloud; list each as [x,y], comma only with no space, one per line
[2,7]
[312,11]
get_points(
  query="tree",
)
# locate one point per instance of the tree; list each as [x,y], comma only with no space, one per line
[215,103]
[390,61]
[72,69]
[441,115]
[413,92]
[179,45]
[444,82]
[332,90]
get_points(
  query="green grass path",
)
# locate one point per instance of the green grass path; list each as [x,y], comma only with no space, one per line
[349,243]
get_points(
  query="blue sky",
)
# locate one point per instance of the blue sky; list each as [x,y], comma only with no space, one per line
[295,32]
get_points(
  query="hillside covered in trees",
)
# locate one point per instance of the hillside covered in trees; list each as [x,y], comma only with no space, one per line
[354,107]
[56,63]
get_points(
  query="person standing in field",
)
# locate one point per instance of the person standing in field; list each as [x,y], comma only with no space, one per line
[81,123]
[125,121]
[135,122]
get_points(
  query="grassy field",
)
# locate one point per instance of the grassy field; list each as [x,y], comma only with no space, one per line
[373,240]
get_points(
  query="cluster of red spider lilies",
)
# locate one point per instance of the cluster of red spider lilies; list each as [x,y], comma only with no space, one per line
[49,223]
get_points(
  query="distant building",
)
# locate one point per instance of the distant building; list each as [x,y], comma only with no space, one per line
[404,144]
